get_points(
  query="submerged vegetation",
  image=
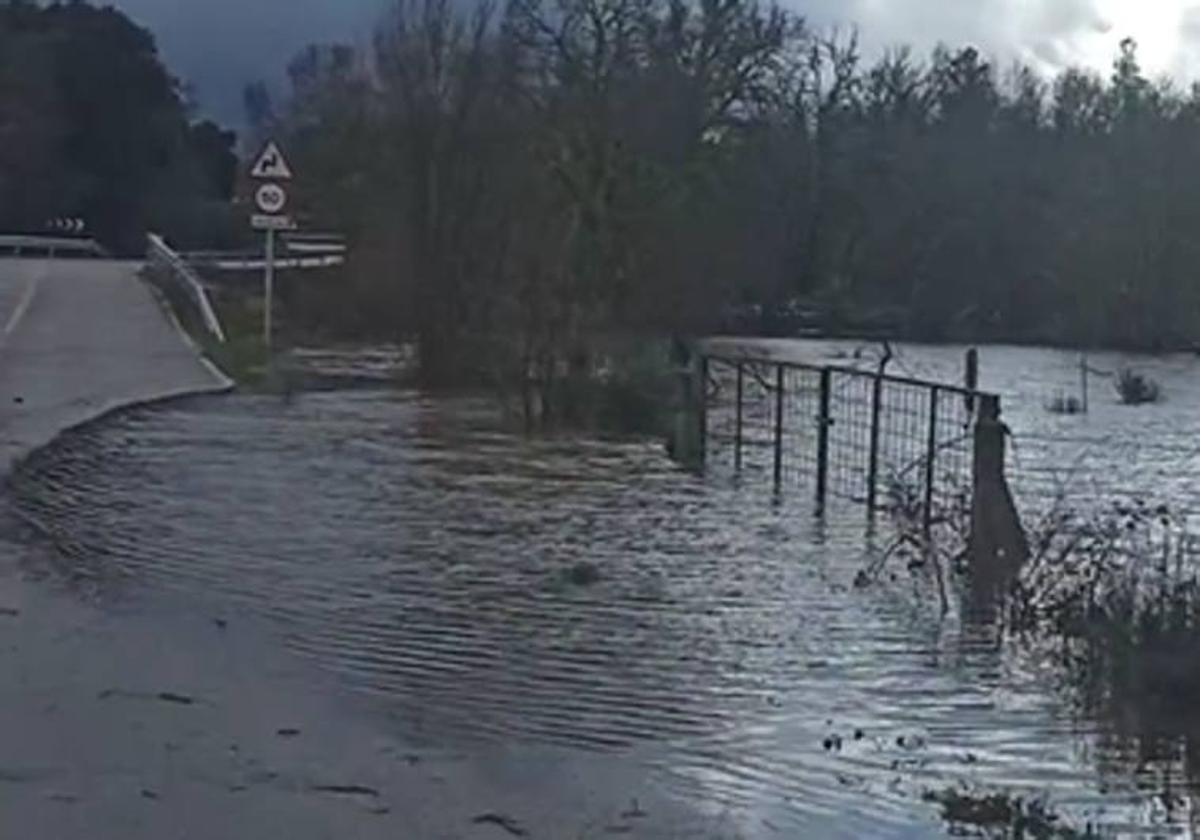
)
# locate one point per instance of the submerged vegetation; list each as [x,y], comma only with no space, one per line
[1121,590]
[1135,388]
[1002,816]
[1118,590]
[1067,404]
[936,544]
[1112,598]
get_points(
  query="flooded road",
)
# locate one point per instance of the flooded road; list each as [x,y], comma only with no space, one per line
[491,589]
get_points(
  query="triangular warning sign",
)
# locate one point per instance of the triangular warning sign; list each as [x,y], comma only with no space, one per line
[272,165]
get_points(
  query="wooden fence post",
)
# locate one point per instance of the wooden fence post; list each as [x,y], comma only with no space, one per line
[701,397]
[1083,380]
[998,544]
[873,462]
[779,394]
[737,440]
[930,460]
[971,378]
[823,421]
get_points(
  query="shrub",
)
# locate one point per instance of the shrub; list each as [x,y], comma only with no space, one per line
[978,814]
[1122,589]
[1134,388]
[1065,404]
[940,548]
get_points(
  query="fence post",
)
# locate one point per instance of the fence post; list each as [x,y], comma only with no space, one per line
[702,409]
[1083,380]
[823,439]
[998,544]
[971,378]
[873,463]
[930,460]
[779,386]
[737,435]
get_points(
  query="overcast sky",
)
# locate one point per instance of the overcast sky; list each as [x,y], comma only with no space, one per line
[219,45]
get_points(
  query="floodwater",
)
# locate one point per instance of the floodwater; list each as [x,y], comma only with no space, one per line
[1113,451]
[429,556]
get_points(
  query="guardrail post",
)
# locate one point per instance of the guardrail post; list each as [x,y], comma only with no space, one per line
[930,460]
[873,458]
[823,422]
[780,384]
[737,439]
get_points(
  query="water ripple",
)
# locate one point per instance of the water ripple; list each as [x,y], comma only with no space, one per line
[427,557]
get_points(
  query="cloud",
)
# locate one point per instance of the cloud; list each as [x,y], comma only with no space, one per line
[1049,34]
[220,45]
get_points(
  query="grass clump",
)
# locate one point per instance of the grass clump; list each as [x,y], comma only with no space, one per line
[1120,590]
[1001,815]
[1134,388]
[243,358]
[1066,404]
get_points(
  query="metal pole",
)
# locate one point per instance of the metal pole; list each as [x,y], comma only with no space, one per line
[823,439]
[737,442]
[930,458]
[269,289]
[873,463]
[779,386]
[971,378]
[1083,378]
[702,409]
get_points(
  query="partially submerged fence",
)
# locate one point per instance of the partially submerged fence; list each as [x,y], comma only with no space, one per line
[172,269]
[841,433]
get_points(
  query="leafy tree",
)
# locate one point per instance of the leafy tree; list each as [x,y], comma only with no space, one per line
[524,186]
[95,126]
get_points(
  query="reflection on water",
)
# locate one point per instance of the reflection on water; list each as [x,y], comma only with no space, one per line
[426,554]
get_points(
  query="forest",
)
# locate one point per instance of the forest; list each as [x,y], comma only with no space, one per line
[522,183]
[93,126]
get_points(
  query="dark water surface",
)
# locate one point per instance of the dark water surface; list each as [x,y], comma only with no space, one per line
[425,554]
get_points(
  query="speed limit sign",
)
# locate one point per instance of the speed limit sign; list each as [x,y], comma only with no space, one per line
[271,199]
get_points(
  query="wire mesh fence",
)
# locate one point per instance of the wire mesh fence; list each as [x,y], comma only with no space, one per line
[839,433]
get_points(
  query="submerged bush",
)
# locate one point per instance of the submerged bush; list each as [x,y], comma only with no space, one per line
[1001,815]
[624,387]
[1064,404]
[934,542]
[1121,589]
[1117,590]
[1134,388]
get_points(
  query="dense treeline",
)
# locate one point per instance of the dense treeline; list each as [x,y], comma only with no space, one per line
[519,184]
[93,126]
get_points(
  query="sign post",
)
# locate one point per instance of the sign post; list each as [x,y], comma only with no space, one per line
[271,167]
[269,289]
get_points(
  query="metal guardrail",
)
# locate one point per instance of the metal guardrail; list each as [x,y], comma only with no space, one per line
[298,251]
[230,261]
[160,256]
[18,244]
